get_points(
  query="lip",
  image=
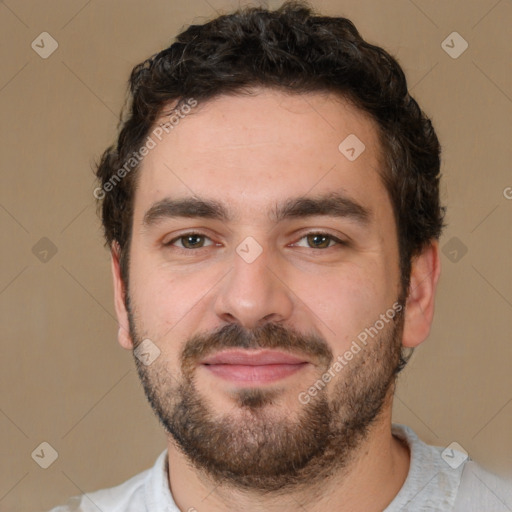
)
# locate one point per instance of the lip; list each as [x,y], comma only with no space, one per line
[253,366]
[253,358]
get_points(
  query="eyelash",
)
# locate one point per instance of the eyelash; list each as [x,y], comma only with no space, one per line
[198,234]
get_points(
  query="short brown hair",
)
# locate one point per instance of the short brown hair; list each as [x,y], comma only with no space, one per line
[293,50]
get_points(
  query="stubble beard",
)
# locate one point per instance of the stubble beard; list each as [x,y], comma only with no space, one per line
[255,446]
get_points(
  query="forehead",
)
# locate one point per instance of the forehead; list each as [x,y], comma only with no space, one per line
[255,151]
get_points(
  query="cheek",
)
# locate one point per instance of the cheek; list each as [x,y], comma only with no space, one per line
[346,304]
[169,303]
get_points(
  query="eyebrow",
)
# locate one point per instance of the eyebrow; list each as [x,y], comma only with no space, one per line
[333,204]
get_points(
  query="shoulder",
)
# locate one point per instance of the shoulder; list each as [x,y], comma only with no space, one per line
[130,496]
[433,479]
[482,490]
[445,478]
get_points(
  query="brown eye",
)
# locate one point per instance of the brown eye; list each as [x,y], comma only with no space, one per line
[192,241]
[320,241]
[189,241]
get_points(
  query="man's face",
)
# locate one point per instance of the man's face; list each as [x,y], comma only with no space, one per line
[249,309]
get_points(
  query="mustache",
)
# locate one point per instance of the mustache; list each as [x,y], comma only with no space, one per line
[268,336]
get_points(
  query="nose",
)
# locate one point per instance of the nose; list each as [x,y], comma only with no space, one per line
[254,293]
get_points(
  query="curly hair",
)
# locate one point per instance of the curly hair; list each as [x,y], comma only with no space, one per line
[293,50]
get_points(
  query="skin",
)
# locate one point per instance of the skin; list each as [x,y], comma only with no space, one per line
[252,152]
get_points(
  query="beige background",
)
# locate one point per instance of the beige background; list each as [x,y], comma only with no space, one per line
[64,379]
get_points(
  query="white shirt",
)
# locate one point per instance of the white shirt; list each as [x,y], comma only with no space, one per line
[434,484]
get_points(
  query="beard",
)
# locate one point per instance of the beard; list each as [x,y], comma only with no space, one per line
[256,446]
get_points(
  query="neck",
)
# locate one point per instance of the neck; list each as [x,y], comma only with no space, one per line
[368,483]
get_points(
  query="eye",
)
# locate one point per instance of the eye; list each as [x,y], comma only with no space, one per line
[193,240]
[320,240]
[189,241]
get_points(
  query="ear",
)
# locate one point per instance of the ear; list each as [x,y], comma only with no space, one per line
[123,335]
[419,308]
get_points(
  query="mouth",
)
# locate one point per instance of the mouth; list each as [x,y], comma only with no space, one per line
[253,366]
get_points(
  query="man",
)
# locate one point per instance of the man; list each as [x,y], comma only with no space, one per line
[272,209]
